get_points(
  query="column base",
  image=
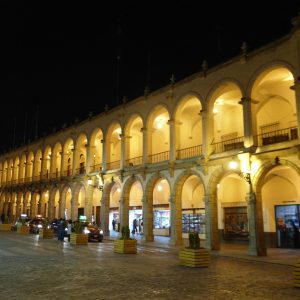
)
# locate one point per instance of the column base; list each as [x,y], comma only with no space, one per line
[257,252]
[148,238]
[176,242]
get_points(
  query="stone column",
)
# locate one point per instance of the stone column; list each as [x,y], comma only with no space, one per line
[296,88]
[75,164]
[172,147]
[145,145]
[206,145]
[104,159]
[255,223]
[88,203]
[147,220]
[122,154]
[88,159]
[212,240]
[51,205]
[176,221]
[104,213]
[249,120]
[124,212]
[19,209]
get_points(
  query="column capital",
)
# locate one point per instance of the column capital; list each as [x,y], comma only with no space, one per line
[171,122]
[247,100]
[144,200]
[172,199]
[143,129]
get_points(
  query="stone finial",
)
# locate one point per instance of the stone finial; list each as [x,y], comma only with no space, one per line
[124,100]
[106,108]
[204,67]
[76,120]
[244,49]
[91,114]
[172,79]
[146,91]
[296,21]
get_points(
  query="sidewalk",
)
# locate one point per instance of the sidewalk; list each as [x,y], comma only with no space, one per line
[239,251]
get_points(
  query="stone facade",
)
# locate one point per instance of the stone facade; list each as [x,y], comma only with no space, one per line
[219,139]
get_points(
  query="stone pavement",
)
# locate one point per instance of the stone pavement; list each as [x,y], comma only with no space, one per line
[31,268]
[234,250]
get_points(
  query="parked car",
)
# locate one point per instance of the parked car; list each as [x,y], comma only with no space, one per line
[95,234]
[20,221]
[35,225]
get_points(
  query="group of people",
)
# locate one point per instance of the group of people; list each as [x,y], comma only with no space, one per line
[62,224]
[137,226]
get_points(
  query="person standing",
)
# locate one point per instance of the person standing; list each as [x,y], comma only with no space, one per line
[69,229]
[113,224]
[2,218]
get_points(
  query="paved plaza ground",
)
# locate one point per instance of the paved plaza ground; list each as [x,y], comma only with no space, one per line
[32,268]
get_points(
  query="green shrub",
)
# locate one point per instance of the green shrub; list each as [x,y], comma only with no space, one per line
[78,227]
[45,224]
[125,233]
[194,240]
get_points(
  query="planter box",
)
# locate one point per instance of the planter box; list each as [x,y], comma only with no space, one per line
[296,272]
[125,246]
[23,229]
[198,258]
[46,233]
[5,227]
[79,239]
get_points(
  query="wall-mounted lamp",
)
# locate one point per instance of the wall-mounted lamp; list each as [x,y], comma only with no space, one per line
[247,177]
[90,183]
[233,164]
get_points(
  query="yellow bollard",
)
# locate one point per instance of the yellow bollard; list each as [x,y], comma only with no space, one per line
[297,275]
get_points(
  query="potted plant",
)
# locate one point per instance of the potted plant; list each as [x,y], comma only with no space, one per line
[6,226]
[78,237]
[125,244]
[194,255]
[46,232]
[22,227]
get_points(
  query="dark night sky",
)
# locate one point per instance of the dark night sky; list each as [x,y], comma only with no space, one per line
[61,56]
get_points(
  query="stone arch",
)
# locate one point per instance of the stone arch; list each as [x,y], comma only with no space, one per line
[148,204]
[63,198]
[211,208]
[133,135]
[181,98]
[176,204]
[124,203]
[52,194]
[104,214]
[265,67]
[217,85]
[76,188]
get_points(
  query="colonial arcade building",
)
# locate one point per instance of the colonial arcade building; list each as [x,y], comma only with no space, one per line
[217,152]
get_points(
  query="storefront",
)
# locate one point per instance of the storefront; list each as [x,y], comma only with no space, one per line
[193,220]
[287,225]
[235,223]
[161,220]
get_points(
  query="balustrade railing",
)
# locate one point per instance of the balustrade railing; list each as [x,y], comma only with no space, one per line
[277,136]
[158,157]
[113,165]
[134,161]
[232,144]
[95,168]
[189,152]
